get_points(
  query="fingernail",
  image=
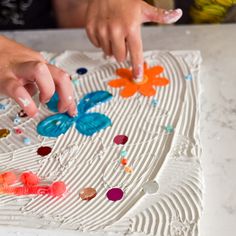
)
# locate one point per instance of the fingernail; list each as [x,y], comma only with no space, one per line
[172,16]
[138,73]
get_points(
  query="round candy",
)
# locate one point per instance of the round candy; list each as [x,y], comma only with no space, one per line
[124,161]
[8,178]
[120,139]
[58,188]
[44,151]
[115,194]
[150,187]
[128,169]
[4,133]
[29,179]
[22,114]
[123,153]
[27,141]
[87,193]
[81,71]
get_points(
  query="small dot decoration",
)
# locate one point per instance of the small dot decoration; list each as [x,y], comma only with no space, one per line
[2,107]
[18,131]
[87,194]
[123,153]
[4,133]
[82,71]
[44,151]
[120,139]
[29,179]
[128,169]
[22,114]
[27,141]
[115,194]
[124,161]
[17,120]
[169,129]
[154,102]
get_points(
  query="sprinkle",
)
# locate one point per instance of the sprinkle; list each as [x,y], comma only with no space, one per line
[115,194]
[120,139]
[150,187]
[7,178]
[22,114]
[18,130]
[2,107]
[169,129]
[27,141]
[124,162]
[123,153]
[87,193]
[81,71]
[128,169]
[44,151]
[189,77]
[154,102]
[16,120]
[4,133]
[29,179]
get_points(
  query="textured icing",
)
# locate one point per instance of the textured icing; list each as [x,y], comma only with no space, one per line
[171,159]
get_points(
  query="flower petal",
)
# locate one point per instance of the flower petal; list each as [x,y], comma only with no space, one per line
[129,90]
[117,83]
[160,81]
[147,90]
[124,73]
[154,71]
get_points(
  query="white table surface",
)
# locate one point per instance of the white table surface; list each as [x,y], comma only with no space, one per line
[218,110]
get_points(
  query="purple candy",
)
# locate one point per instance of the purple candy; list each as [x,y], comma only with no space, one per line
[115,194]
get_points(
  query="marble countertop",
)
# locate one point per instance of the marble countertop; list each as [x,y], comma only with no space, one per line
[218,109]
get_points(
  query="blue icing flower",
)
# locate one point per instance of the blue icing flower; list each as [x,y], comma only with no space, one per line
[86,123]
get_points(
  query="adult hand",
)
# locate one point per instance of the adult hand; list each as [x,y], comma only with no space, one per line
[23,71]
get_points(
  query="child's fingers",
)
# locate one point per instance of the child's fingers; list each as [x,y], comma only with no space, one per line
[92,35]
[135,49]
[65,91]
[39,73]
[158,15]
[104,41]
[118,45]
[15,90]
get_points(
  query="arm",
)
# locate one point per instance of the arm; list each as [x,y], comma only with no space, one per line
[71,13]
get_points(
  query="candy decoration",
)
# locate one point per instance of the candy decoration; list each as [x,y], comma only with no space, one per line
[29,179]
[16,120]
[169,129]
[55,190]
[4,133]
[128,169]
[44,151]
[120,140]
[87,193]
[124,161]
[2,107]
[154,102]
[150,187]
[123,153]
[18,131]
[7,178]
[22,114]
[115,194]
[81,71]
[27,141]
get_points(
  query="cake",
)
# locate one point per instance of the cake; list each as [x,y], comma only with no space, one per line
[129,164]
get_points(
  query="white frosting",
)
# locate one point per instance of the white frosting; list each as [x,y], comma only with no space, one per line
[167,163]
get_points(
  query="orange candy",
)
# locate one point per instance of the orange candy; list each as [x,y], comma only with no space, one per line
[124,162]
[128,169]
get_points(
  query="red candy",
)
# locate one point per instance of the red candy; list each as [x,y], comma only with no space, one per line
[29,179]
[7,178]
[120,140]
[58,188]
[44,151]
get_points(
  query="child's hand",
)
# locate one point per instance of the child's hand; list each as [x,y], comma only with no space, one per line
[23,70]
[115,27]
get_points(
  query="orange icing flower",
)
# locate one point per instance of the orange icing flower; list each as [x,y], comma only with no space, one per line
[145,87]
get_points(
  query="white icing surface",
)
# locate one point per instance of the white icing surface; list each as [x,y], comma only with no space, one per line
[170,159]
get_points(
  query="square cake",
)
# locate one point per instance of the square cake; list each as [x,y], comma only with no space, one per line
[128,163]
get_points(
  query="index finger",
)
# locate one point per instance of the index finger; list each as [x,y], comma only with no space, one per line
[135,48]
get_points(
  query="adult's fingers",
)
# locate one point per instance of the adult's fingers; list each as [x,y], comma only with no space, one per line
[15,90]
[104,42]
[38,72]
[135,48]
[65,91]
[90,29]
[158,15]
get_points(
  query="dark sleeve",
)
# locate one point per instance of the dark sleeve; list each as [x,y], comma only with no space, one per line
[26,14]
